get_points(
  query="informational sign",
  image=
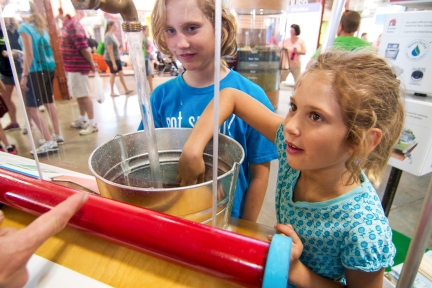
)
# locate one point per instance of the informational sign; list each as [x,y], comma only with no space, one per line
[407,43]
[413,151]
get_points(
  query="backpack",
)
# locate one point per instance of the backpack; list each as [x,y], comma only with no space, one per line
[46,56]
[100,48]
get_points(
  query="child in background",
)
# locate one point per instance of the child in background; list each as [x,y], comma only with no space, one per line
[185,30]
[339,132]
[9,148]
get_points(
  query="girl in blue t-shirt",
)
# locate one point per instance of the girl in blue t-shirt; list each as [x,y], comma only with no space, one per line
[339,132]
[185,30]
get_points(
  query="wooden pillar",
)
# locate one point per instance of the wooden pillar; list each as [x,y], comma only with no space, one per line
[60,88]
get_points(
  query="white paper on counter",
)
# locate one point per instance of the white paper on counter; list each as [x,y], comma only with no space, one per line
[46,274]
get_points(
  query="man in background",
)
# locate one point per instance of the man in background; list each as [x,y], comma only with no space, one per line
[346,40]
[78,62]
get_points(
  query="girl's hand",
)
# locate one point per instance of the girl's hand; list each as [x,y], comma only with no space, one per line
[115,66]
[23,83]
[297,245]
[190,168]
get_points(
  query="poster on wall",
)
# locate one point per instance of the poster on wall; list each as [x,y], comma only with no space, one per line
[406,42]
[413,150]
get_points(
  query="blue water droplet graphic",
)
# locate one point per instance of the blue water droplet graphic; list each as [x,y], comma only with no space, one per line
[416,51]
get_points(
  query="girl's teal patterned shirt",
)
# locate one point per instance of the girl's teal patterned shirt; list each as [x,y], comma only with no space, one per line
[349,231]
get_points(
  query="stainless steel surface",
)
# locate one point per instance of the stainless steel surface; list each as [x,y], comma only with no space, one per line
[126,8]
[418,243]
[122,171]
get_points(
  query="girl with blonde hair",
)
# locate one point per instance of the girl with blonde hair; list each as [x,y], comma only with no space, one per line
[37,77]
[185,30]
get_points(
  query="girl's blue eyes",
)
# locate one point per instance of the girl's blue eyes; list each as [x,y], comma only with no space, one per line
[313,115]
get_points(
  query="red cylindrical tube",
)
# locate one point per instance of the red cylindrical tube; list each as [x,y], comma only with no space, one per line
[214,251]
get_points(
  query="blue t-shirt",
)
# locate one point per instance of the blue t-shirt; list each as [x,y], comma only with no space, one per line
[38,60]
[177,105]
[349,231]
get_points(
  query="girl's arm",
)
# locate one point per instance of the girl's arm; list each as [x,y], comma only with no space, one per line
[303,277]
[359,278]
[256,191]
[28,59]
[191,165]
[28,52]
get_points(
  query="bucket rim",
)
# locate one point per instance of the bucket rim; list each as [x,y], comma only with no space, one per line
[236,165]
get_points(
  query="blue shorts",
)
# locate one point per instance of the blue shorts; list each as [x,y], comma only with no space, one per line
[8,80]
[149,70]
[40,86]
[110,65]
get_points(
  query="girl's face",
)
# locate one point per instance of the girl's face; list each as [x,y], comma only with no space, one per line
[189,35]
[314,129]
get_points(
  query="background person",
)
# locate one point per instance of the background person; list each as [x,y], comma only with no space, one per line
[148,49]
[296,47]
[6,75]
[9,148]
[346,40]
[112,57]
[78,62]
[37,77]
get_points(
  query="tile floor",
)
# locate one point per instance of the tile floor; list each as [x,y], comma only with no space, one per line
[120,115]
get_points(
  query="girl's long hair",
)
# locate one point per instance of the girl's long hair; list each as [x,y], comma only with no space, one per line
[36,19]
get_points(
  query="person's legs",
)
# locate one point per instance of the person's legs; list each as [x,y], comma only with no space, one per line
[122,80]
[121,76]
[48,100]
[112,77]
[3,137]
[79,89]
[88,106]
[296,71]
[7,97]
[149,72]
[40,122]
[52,111]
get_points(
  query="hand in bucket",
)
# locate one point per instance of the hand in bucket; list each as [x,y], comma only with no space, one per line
[190,168]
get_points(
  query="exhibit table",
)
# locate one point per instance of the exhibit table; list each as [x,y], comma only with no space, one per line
[106,261]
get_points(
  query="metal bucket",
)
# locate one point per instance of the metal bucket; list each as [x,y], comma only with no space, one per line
[122,170]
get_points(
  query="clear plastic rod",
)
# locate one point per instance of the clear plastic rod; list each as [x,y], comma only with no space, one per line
[217,63]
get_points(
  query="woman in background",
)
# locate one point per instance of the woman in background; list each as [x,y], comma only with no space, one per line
[37,77]
[296,47]
[112,57]
[6,71]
